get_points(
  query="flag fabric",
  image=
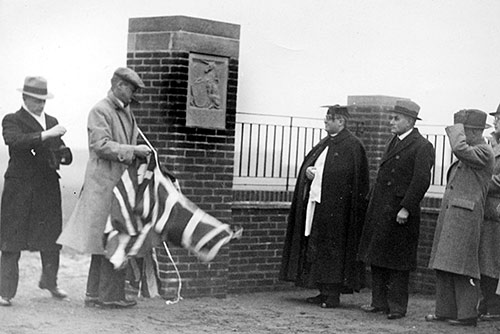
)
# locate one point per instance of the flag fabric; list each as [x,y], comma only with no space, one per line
[148,208]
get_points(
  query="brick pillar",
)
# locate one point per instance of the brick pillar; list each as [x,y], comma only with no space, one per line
[370,122]
[188,112]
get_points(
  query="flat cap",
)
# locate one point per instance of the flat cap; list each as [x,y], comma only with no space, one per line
[129,76]
[337,110]
[408,108]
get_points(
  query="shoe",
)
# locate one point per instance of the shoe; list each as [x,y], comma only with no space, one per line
[331,302]
[118,304]
[489,317]
[55,291]
[91,302]
[373,309]
[395,315]
[463,322]
[433,317]
[5,302]
[317,299]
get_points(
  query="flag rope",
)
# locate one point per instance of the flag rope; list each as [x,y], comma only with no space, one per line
[179,286]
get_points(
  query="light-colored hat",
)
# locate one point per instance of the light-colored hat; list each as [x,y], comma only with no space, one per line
[36,87]
[129,76]
[408,108]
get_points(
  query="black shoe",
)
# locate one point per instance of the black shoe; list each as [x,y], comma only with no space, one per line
[373,309]
[331,302]
[91,302]
[5,302]
[55,291]
[119,304]
[395,315]
[317,299]
[489,317]
[433,317]
[463,322]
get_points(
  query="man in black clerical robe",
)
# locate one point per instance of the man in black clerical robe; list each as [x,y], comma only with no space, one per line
[327,214]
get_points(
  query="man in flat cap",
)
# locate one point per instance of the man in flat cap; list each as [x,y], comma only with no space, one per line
[112,138]
[31,216]
[390,235]
[489,242]
[327,215]
[455,248]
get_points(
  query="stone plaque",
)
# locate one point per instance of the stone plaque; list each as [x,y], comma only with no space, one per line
[206,103]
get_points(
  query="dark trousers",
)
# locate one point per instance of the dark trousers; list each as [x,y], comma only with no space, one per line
[104,282]
[9,272]
[456,296]
[490,301]
[390,289]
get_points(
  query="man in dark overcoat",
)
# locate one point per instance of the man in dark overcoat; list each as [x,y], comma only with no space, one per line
[31,215]
[455,249]
[390,235]
[327,215]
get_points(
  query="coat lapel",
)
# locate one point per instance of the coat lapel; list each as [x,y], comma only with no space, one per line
[27,119]
[401,146]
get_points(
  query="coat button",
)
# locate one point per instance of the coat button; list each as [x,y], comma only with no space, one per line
[397,157]
[389,183]
[393,170]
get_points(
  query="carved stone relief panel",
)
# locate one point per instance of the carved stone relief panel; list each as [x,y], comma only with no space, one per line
[207,88]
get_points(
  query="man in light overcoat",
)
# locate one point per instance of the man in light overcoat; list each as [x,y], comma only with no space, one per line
[391,231]
[455,249]
[112,139]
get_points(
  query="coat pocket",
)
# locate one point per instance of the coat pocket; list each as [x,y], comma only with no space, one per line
[462,203]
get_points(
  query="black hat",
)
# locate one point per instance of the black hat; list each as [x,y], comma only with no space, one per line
[497,112]
[337,110]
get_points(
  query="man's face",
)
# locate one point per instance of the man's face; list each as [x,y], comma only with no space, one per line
[496,124]
[333,124]
[125,92]
[400,123]
[34,105]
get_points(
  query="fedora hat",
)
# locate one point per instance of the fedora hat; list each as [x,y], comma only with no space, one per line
[408,108]
[497,112]
[474,119]
[36,87]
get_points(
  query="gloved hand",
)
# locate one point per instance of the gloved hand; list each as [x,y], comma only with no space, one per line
[460,117]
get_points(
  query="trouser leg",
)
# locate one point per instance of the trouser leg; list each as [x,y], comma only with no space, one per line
[379,287]
[9,274]
[111,282]
[490,301]
[397,292]
[446,305]
[93,277]
[50,267]
[466,296]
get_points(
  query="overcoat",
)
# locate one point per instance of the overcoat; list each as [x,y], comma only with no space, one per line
[112,132]
[455,247]
[403,178]
[489,241]
[31,216]
[328,255]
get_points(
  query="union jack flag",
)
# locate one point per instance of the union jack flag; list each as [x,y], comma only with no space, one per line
[148,208]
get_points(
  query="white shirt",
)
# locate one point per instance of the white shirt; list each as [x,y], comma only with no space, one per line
[404,135]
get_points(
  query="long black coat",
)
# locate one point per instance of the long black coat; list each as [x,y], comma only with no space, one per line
[328,255]
[403,178]
[31,217]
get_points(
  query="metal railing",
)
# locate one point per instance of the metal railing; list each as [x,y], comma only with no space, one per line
[271,148]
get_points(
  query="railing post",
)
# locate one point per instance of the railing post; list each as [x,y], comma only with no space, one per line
[289,155]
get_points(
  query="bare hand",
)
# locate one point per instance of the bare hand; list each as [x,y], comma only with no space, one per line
[310,172]
[56,131]
[402,216]
[142,151]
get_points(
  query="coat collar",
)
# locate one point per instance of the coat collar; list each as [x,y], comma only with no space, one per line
[414,134]
[25,117]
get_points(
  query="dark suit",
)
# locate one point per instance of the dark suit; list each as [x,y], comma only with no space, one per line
[31,216]
[390,248]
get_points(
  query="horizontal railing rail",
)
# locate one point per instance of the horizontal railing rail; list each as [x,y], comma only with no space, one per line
[271,148]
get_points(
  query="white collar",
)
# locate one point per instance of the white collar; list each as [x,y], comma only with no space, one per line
[404,135]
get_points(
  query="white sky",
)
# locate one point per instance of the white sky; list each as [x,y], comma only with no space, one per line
[295,55]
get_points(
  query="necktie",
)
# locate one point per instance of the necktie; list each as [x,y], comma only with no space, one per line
[394,143]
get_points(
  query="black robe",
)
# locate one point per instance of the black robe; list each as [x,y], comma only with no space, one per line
[328,255]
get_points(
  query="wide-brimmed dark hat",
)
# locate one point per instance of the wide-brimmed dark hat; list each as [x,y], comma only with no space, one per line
[496,112]
[408,108]
[337,110]
[36,87]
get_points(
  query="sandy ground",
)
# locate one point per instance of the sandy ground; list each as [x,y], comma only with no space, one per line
[34,311]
